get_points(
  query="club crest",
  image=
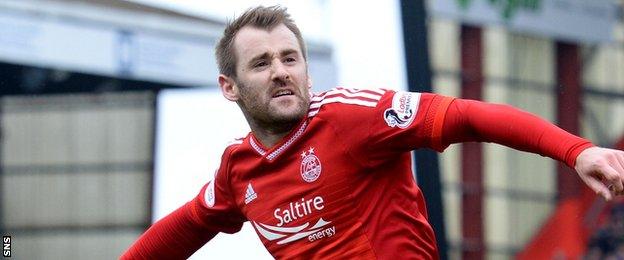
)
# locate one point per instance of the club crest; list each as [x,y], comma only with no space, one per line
[310,166]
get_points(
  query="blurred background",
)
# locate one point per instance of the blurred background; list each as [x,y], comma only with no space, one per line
[110,116]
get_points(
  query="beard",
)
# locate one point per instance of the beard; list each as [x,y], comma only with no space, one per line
[259,109]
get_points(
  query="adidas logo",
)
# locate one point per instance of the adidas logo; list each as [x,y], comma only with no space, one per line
[250,194]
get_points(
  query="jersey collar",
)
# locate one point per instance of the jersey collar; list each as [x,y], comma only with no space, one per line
[276,150]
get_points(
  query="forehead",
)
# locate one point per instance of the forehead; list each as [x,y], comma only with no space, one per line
[251,41]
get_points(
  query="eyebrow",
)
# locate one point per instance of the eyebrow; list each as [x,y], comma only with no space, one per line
[266,55]
[288,52]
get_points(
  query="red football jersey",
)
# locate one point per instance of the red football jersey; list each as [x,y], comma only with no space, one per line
[340,185]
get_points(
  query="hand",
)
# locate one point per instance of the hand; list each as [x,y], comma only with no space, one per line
[602,170]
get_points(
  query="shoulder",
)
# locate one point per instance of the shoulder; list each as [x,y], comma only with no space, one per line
[234,144]
[229,151]
[232,147]
[345,98]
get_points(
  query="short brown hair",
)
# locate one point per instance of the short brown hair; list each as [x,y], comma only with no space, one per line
[259,17]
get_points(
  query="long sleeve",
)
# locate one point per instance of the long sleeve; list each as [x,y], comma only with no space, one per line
[470,120]
[176,236]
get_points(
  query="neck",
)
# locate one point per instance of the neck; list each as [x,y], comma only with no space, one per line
[271,135]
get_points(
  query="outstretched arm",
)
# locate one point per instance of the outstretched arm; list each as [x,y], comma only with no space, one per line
[176,236]
[468,120]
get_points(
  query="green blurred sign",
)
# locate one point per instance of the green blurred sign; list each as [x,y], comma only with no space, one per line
[571,20]
[507,7]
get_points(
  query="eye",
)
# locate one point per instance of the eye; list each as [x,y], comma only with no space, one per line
[290,60]
[260,64]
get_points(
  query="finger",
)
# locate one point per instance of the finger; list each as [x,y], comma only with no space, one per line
[599,187]
[613,178]
[614,192]
[618,164]
[620,159]
[618,182]
[617,186]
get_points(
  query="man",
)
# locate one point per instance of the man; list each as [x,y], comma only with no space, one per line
[329,175]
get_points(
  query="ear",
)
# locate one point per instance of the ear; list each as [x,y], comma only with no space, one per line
[228,87]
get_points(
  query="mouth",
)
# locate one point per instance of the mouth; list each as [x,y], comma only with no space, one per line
[282,93]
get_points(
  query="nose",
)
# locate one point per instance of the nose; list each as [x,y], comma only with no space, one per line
[279,72]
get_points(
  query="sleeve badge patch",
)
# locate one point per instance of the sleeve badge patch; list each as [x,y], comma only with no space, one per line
[403,110]
[209,194]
